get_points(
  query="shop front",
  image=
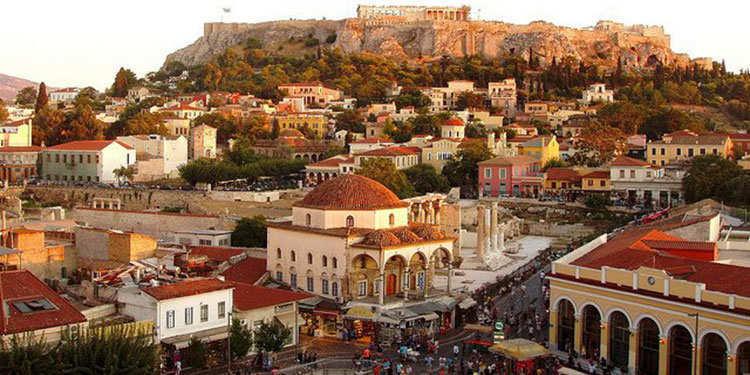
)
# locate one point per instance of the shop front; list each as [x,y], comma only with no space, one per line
[321,318]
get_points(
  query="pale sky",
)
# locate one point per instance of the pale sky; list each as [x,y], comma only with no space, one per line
[84,42]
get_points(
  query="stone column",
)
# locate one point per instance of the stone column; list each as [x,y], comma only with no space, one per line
[405,284]
[732,365]
[480,231]
[663,354]
[450,276]
[420,213]
[381,283]
[577,333]
[437,212]
[603,341]
[427,280]
[487,229]
[632,350]
[501,241]
[697,357]
[553,329]
[430,213]
[493,226]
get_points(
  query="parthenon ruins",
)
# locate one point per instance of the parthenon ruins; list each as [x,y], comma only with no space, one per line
[412,13]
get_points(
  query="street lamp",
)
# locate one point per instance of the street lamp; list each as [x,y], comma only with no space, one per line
[695,315]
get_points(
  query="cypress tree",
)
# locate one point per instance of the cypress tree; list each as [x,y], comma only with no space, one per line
[41,97]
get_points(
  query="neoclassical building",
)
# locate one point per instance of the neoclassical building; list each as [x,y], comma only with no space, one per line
[653,300]
[351,239]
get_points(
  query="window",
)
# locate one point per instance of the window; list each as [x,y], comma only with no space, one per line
[293,280]
[691,152]
[88,159]
[308,219]
[653,151]
[679,151]
[57,158]
[622,173]
[325,261]
[663,151]
[279,276]
[310,284]
[703,151]
[334,262]
[502,173]
[309,258]
[204,313]
[204,242]
[188,316]
[350,221]
[590,182]
[335,289]
[602,183]
[715,151]
[294,256]
[278,253]
[65,158]
[222,307]
[632,174]
[362,288]
[324,286]
[170,319]
[391,220]
[488,173]
[648,174]
[80,159]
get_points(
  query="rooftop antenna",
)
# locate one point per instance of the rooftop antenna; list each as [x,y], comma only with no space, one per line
[225,11]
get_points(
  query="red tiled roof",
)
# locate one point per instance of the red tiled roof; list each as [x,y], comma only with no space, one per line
[351,192]
[597,174]
[17,286]
[186,288]
[624,161]
[739,136]
[454,121]
[333,161]
[680,245]
[21,149]
[393,151]
[567,174]
[248,297]
[216,253]
[248,271]
[87,145]
[371,140]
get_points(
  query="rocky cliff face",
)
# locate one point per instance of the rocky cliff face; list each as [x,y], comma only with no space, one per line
[604,44]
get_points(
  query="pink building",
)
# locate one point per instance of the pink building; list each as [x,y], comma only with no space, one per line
[510,176]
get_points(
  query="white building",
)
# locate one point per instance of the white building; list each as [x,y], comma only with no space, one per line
[639,182]
[503,96]
[597,93]
[90,161]
[158,156]
[204,237]
[66,95]
[193,308]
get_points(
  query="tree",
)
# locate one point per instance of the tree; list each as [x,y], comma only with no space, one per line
[708,177]
[384,171]
[79,124]
[463,170]
[3,111]
[26,96]
[26,355]
[145,123]
[596,201]
[250,232]
[554,163]
[624,116]
[240,338]
[46,121]
[198,353]
[271,337]
[124,80]
[468,99]
[114,349]
[425,179]
[605,141]
[350,121]
[41,98]
[126,173]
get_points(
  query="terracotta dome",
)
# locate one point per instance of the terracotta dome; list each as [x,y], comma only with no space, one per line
[291,133]
[351,192]
[381,238]
[454,121]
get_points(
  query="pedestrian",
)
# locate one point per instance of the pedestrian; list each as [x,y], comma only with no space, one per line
[456,350]
[177,360]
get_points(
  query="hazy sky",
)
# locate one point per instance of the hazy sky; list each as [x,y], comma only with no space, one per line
[83,43]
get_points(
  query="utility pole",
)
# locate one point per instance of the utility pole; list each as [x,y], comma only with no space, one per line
[229,342]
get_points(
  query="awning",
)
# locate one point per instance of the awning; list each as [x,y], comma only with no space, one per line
[467,303]
[446,303]
[207,335]
[361,313]
[519,349]
[430,317]
[309,303]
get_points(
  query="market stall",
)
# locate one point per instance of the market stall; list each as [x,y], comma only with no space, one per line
[524,356]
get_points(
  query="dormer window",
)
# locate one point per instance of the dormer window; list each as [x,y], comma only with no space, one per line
[391,220]
[308,220]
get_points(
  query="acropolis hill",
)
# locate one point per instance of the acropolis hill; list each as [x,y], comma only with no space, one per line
[409,32]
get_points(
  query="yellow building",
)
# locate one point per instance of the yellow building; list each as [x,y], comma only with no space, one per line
[315,122]
[596,181]
[684,145]
[543,148]
[642,298]
[16,133]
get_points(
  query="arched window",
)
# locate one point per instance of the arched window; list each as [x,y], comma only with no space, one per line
[334,262]
[680,351]
[325,261]
[335,289]
[309,258]
[648,346]
[350,221]
[714,355]
[591,332]
[391,219]
[566,325]
[619,339]
[308,220]
[294,256]
[278,253]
